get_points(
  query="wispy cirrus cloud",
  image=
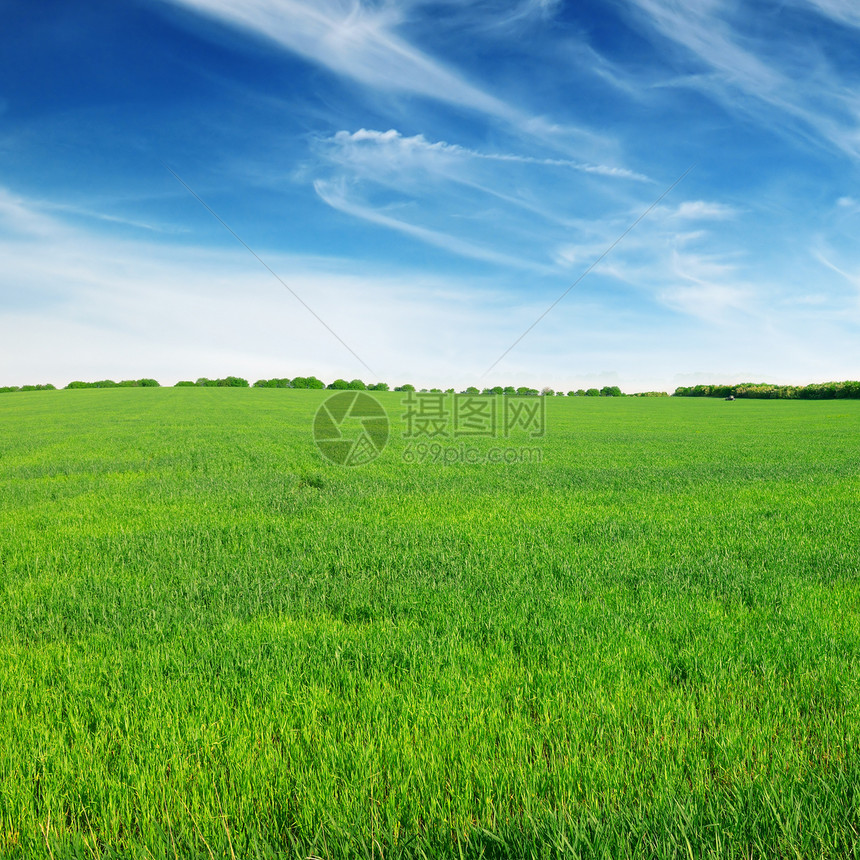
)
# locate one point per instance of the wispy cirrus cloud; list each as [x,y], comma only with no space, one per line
[793,78]
[392,146]
[705,210]
[360,41]
[130,307]
[19,217]
[824,257]
[444,180]
[843,11]
[707,287]
[335,195]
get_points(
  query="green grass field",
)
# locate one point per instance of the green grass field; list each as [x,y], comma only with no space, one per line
[215,644]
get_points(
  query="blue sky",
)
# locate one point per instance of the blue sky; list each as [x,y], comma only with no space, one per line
[428,177]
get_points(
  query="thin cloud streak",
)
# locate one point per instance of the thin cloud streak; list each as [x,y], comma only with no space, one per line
[393,142]
[336,197]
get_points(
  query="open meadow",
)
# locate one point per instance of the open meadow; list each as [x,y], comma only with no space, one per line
[214,643]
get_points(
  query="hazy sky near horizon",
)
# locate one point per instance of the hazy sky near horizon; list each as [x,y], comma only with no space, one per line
[429,176]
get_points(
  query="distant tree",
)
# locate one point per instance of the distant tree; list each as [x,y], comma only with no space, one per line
[592,392]
[300,382]
[509,391]
[525,391]
[315,384]
[610,391]
[580,392]
[338,385]
[6,389]
[449,390]
[547,392]
[46,387]
[275,382]
[435,390]
[378,386]
[102,383]
[184,383]
[406,387]
[225,382]
[471,390]
[559,394]
[357,385]
[571,394]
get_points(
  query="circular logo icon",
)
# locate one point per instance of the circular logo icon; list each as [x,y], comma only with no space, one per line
[351,428]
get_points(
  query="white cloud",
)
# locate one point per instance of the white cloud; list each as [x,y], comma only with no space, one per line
[77,305]
[442,184]
[113,219]
[74,304]
[705,210]
[358,40]
[853,278]
[707,287]
[393,148]
[334,194]
[19,217]
[709,302]
[789,75]
[843,11]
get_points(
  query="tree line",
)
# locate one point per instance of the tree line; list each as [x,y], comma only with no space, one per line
[102,383]
[761,390]
[767,391]
[311,382]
